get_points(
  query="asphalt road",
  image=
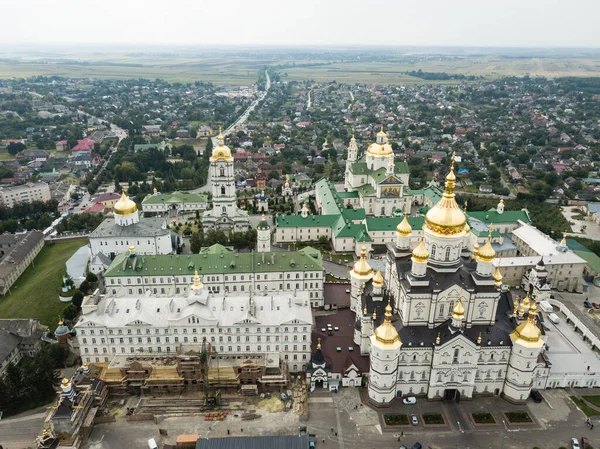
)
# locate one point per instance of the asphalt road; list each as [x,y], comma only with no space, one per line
[20,432]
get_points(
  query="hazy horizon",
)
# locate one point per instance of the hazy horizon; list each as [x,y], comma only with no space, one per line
[516,24]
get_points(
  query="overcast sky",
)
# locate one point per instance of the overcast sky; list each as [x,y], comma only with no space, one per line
[520,23]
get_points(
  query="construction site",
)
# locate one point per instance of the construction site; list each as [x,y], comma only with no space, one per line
[154,387]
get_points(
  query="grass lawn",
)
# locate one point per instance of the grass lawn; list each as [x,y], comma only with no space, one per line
[433,418]
[35,294]
[595,400]
[518,417]
[587,410]
[483,418]
[396,420]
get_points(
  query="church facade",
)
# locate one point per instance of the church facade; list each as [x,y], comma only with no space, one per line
[441,324]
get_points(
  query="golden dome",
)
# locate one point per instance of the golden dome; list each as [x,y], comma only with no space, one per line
[287,181]
[446,217]
[528,332]
[125,206]
[458,311]
[65,383]
[378,279]
[222,152]
[381,148]
[420,253]
[563,242]
[387,333]
[362,267]
[497,276]
[131,248]
[475,249]
[526,302]
[353,146]
[404,229]
[487,253]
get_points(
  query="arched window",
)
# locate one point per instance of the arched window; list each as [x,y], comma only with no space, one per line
[433,248]
[222,171]
[224,209]
[441,310]
[222,190]
[455,357]
[448,253]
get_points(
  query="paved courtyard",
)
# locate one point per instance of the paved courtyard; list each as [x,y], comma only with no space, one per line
[592,230]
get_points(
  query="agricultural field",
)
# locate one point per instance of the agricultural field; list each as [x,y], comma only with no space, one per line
[240,68]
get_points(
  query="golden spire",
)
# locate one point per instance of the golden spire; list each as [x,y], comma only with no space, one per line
[476,250]
[60,321]
[487,253]
[378,278]
[362,267]
[532,309]
[365,312]
[498,274]
[479,339]
[437,339]
[446,217]
[386,333]
[458,311]
[467,227]
[524,305]
[197,285]
[319,343]
[404,228]
[374,315]
[420,253]
[515,306]
[563,242]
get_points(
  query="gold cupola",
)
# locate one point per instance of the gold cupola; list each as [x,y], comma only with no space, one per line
[498,275]
[221,152]
[487,253]
[386,333]
[362,267]
[197,285]
[528,333]
[404,229]
[446,217]
[458,311]
[467,227]
[378,279]
[381,147]
[420,253]
[125,206]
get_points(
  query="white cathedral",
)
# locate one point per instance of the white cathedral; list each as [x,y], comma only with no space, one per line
[375,181]
[441,324]
[225,214]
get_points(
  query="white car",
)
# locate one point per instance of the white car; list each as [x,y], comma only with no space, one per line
[409,401]
[575,443]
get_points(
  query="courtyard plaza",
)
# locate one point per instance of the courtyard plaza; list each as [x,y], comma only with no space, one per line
[556,420]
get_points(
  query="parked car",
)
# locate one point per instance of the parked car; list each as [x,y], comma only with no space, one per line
[410,400]
[595,305]
[417,445]
[587,304]
[574,443]
[584,442]
[414,420]
[536,396]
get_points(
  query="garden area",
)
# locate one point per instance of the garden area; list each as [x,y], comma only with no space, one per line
[35,293]
[518,417]
[483,418]
[396,420]
[433,418]
[586,409]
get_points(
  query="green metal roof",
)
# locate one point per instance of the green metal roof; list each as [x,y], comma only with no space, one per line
[214,260]
[361,168]
[586,254]
[492,216]
[175,197]
[354,214]
[432,193]
[390,223]
[330,201]
[366,190]
[343,195]
[296,221]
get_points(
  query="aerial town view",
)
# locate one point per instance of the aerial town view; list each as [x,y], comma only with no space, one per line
[259,225]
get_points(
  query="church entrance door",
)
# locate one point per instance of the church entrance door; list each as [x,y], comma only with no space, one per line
[451,394]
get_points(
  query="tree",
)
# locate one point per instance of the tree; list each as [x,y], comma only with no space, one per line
[196,241]
[91,277]
[70,312]
[77,299]
[15,147]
